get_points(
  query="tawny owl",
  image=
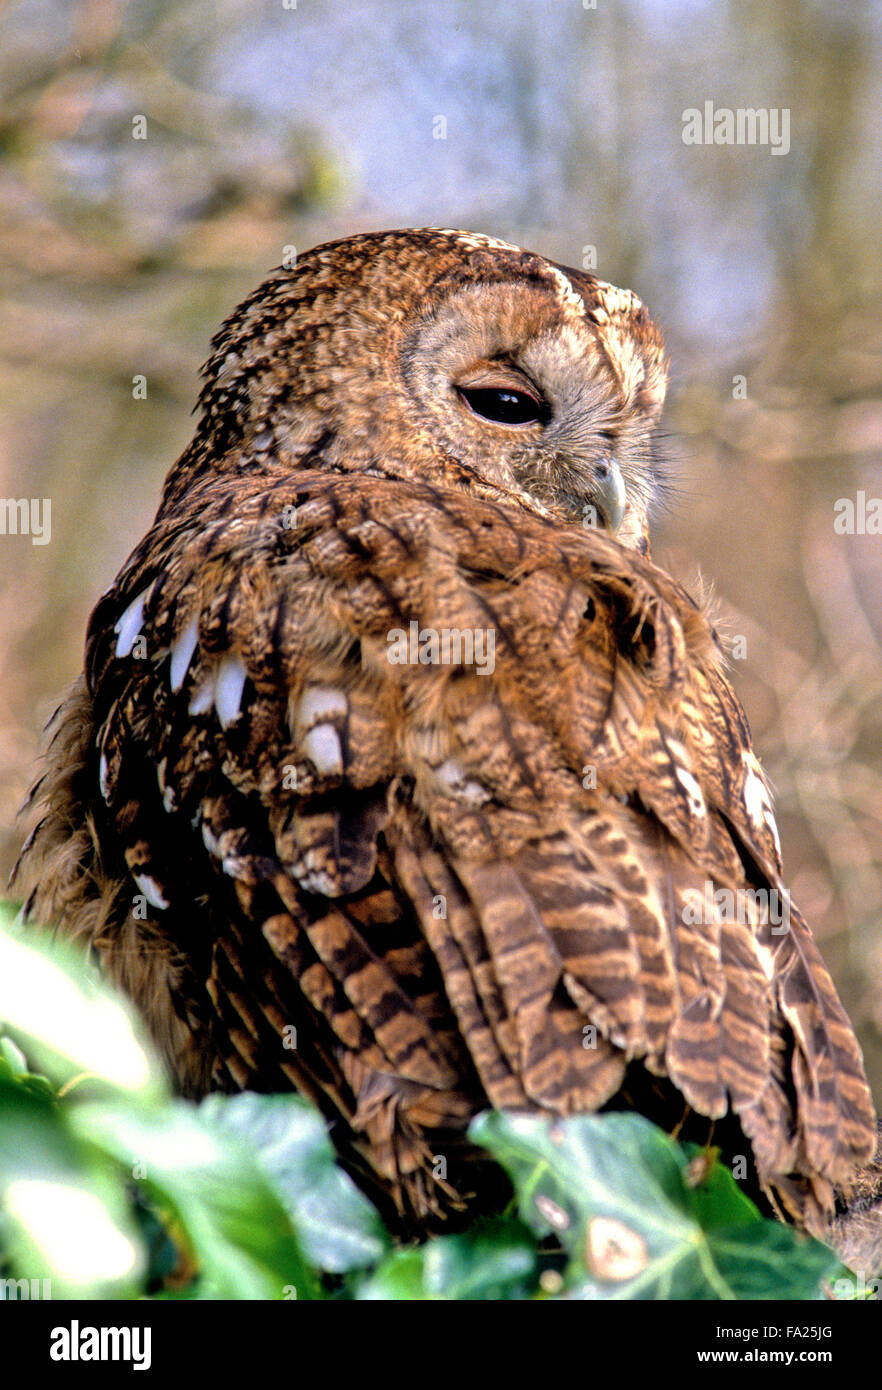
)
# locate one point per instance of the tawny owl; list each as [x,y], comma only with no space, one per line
[400,775]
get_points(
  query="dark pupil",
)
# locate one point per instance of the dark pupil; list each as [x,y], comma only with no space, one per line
[508,407]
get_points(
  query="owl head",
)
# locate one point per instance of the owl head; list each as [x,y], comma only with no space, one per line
[450,357]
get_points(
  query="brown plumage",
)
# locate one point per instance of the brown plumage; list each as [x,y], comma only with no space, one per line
[856,1230]
[414,875]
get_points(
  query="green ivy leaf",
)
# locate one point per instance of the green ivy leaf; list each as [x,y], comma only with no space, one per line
[717,1200]
[13,1057]
[337,1226]
[238,1229]
[614,1191]
[14,1070]
[72,1023]
[495,1260]
[66,1217]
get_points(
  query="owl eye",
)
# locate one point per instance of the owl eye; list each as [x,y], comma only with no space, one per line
[504,405]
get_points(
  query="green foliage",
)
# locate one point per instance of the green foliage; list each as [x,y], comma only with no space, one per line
[637,1221]
[113,1188]
[496,1259]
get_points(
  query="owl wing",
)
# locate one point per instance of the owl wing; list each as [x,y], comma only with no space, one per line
[425,804]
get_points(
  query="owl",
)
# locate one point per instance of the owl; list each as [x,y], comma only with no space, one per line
[399,775]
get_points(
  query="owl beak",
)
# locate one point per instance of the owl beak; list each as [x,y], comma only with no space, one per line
[609,486]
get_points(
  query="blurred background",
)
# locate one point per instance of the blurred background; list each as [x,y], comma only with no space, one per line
[551,124]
